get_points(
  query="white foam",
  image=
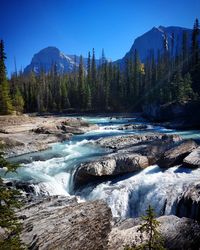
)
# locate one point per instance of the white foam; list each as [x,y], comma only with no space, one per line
[131,197]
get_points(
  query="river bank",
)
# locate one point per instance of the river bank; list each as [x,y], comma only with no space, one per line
[27,134]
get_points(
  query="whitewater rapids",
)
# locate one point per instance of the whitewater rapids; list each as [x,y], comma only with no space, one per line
[51,173]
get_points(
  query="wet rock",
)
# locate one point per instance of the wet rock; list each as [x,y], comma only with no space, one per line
[131,153]
[132,126]
[177,233]
[188,204]
[124,142]
[111,165]
[193,159]
[62,223]
[176,154]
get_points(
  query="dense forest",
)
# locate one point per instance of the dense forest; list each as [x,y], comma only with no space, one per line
[163,78]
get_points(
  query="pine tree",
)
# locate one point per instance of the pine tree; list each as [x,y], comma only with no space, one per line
[195,43]
[2,63]
[8,204]
[5,100]
[196,57]
[18,101]
[150,228]
[81,85]
[150,231]
[6,107]
[94,86]
[64,95]
[89,77]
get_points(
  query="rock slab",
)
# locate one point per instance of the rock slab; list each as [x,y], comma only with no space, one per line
[193,159]
[176,154]
[61,223]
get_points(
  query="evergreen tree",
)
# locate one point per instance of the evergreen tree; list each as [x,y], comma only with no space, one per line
[5,100]
[8,204]
[196,57]
[64,94]
[89,77]
[18,101]
[150,230]
[195,43]
[2,63]
[81,85]
[94,81]
[6,107]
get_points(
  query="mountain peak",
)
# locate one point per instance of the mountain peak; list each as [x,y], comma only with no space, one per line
[47,57]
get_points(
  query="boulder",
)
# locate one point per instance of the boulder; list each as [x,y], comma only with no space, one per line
[62,223]
[177,233]
[176,154]
[193,159]
[111,165]
[188,204]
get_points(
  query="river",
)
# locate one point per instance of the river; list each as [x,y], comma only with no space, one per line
[51,172]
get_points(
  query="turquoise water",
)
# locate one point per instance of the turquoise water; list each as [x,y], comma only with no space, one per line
[51,172]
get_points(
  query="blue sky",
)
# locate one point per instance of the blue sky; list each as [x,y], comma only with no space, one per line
[76,26]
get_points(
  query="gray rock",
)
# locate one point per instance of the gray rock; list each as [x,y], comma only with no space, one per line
[124,142]
[193,159]
[111,165]
[176,154]
[132,126]
[188,204]
[177,233]
[132,153]
[25,134]
[62,223]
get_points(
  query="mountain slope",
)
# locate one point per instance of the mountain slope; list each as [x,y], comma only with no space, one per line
[47,57]
[153,41]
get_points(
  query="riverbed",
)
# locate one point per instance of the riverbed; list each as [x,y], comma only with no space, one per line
[50,172]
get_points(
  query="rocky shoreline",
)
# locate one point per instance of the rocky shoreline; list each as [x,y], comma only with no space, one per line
[25,134]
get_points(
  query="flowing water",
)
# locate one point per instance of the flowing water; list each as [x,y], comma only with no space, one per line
[51,172]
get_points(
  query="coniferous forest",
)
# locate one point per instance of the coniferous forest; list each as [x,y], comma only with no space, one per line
[163,78]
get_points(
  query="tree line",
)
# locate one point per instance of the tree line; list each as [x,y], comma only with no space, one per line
[164,78]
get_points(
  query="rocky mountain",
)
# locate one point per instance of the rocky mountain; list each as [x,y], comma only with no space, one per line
[153,41]
[47,57]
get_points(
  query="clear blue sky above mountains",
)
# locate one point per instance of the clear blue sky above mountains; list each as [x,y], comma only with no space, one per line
[76,26]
